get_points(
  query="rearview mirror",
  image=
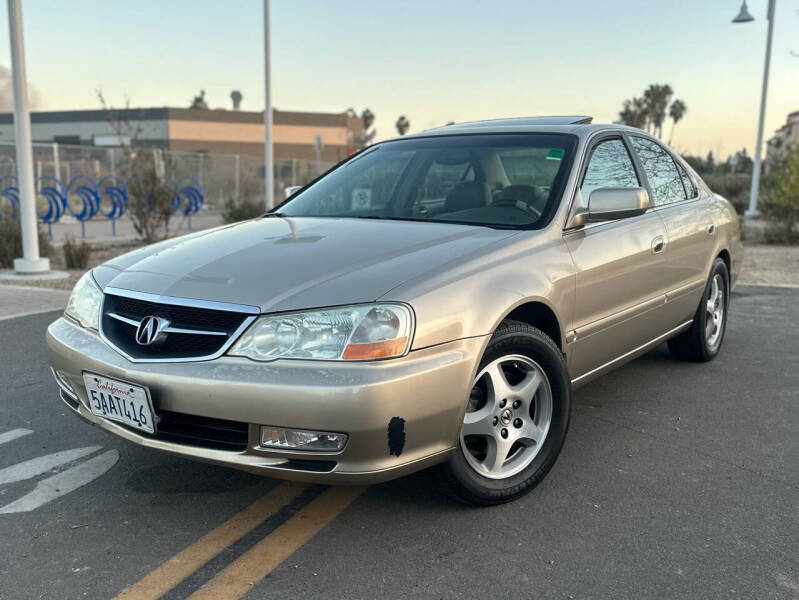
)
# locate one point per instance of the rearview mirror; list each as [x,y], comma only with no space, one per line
[291,190]
[607,204]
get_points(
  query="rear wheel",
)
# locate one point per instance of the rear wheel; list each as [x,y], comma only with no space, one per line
[516,418]
[702,341]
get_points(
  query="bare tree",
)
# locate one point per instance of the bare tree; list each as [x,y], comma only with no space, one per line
[148,173]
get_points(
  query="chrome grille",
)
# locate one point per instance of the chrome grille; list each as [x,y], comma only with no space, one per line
[187,329]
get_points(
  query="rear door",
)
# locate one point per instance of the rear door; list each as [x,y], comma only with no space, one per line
[620,266]
[690,227]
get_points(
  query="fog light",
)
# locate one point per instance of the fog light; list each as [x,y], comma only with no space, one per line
[299,439]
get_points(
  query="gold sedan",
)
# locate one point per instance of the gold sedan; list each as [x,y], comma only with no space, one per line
[431,300]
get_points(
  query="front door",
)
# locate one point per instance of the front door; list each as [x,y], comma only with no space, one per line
[619,292]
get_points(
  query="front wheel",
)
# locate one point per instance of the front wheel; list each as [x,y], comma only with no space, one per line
[516,418]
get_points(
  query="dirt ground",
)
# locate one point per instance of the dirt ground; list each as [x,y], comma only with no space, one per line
[765,265]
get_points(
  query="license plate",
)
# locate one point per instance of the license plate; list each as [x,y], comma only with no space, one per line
[119,401]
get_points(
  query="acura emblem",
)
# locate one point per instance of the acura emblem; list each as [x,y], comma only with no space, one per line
[151,330]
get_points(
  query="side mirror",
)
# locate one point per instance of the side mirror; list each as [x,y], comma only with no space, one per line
[291,190]
[607,204]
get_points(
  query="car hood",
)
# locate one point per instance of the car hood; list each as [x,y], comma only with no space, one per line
[279,264]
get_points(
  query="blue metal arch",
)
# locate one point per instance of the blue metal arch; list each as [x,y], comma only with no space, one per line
[10,191]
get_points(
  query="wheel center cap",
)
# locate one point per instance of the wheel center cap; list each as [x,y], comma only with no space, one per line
[506,416]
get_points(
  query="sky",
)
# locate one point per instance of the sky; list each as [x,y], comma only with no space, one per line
[432,60]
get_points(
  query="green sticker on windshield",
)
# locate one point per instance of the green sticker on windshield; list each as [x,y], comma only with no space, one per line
[555,154]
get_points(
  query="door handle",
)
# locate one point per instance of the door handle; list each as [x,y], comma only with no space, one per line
[711,228]
[658,244]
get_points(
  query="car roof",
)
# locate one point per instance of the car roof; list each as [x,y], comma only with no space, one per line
[580,125]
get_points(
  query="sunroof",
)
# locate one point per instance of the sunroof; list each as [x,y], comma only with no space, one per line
[517,121]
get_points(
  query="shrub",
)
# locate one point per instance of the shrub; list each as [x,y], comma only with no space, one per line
[11,242]
[76,254]
[782,192]
[781,232]
[241,210]
[149,174]
[733,186]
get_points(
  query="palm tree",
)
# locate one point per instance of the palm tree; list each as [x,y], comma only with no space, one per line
[402,125]
[634,113]
[676,112]
[657,98]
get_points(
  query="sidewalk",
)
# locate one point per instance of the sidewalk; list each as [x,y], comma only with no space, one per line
[19,300]
[770,265]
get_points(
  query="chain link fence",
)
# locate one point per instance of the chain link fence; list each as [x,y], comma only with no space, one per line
[80,190]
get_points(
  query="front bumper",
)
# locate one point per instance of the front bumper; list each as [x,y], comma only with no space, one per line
[427,389]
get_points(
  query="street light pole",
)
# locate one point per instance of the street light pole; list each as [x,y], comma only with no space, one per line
[31,262]
[269,186]
[745,17]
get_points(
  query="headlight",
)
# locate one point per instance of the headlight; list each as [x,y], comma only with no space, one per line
[362,332]
[84,303]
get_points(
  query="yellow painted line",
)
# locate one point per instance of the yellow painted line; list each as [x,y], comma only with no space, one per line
[183,564]
[260,560]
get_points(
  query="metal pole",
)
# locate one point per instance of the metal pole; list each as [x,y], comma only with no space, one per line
[753,192]
[56,162]
[238,178]
[269,191]
[31,262]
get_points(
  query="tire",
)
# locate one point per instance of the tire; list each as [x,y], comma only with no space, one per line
[702,342]
[530,370]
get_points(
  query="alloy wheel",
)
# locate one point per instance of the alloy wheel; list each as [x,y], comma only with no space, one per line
[507,418]
[714,309]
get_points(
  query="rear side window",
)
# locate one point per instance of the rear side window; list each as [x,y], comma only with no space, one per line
[688,184]
[664,179]
[610,165]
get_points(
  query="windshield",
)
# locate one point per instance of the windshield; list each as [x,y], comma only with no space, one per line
[505,180]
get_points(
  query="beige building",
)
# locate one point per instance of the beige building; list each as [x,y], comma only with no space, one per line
[201,131]
[785,137]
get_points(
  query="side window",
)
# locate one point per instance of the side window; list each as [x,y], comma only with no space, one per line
[610,165]
[664,179]
[688,184]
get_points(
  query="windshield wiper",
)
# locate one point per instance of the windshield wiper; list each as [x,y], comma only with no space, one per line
[274,214]
[381,218]
[450,222]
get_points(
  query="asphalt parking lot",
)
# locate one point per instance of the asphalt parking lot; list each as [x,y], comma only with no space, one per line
[676,481]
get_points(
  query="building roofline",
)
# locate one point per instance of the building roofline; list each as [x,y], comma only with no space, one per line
[279,117]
